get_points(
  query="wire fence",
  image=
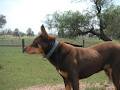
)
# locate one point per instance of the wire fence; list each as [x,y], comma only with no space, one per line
[15,42]
[22,42]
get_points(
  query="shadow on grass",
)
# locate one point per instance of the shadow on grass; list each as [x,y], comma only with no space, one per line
[1,67]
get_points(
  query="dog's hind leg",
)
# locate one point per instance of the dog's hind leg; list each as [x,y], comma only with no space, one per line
[116,80]
[108,71]
[116,76]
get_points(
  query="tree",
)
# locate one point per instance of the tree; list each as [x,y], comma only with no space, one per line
[30,32]
[8,31]
[2,21]
[98,8]
[68,23]
[94,21]
[22,34]
[112,21]
[16,32]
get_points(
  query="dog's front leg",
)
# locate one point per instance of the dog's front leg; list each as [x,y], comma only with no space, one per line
[67,84]
[65,78]
[74,82]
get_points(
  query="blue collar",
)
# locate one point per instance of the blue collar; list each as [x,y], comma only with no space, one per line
[52,49]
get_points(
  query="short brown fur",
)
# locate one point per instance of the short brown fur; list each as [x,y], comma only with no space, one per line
[74,63]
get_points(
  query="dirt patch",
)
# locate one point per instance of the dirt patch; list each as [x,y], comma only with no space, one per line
[83,86]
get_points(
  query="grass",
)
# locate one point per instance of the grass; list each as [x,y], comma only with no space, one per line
[18,70]
[79,40]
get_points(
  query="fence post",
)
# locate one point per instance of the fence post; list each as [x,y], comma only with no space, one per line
[83,43]
[23,45]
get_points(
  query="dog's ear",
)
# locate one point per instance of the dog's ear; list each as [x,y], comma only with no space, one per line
[44,33]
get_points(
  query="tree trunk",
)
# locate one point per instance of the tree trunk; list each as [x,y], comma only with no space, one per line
[104,37]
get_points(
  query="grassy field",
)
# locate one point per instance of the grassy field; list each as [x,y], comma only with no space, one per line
[18,70]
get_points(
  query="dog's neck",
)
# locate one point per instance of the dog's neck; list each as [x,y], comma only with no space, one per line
[51,49]
[59,54]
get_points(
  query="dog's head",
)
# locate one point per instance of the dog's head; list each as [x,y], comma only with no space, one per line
[41,44]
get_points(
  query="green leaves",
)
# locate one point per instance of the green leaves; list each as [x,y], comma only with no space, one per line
[68,23]
[2,21]
[112,21]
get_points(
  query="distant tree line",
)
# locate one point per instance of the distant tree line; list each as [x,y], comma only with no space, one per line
[2,21]
[103,21]
[15,32]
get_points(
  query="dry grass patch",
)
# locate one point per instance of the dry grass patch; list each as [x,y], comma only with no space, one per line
[83,86]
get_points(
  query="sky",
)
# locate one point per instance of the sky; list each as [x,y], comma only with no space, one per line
[23,14]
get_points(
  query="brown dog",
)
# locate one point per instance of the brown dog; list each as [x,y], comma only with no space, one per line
[74,63]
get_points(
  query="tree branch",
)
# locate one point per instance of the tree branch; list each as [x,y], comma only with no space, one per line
[101,35]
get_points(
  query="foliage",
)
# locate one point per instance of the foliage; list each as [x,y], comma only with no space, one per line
[68,23]
[112,21]
[16,32]
[98,7]
[8,31]
[30,32]
[2,21]
[74,23]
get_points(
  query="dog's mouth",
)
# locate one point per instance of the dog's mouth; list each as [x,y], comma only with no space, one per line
[33,50]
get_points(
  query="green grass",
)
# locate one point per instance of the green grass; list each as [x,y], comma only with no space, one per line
[20,70]
[88,41]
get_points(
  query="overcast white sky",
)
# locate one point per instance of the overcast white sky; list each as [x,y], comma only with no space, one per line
[23,14]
